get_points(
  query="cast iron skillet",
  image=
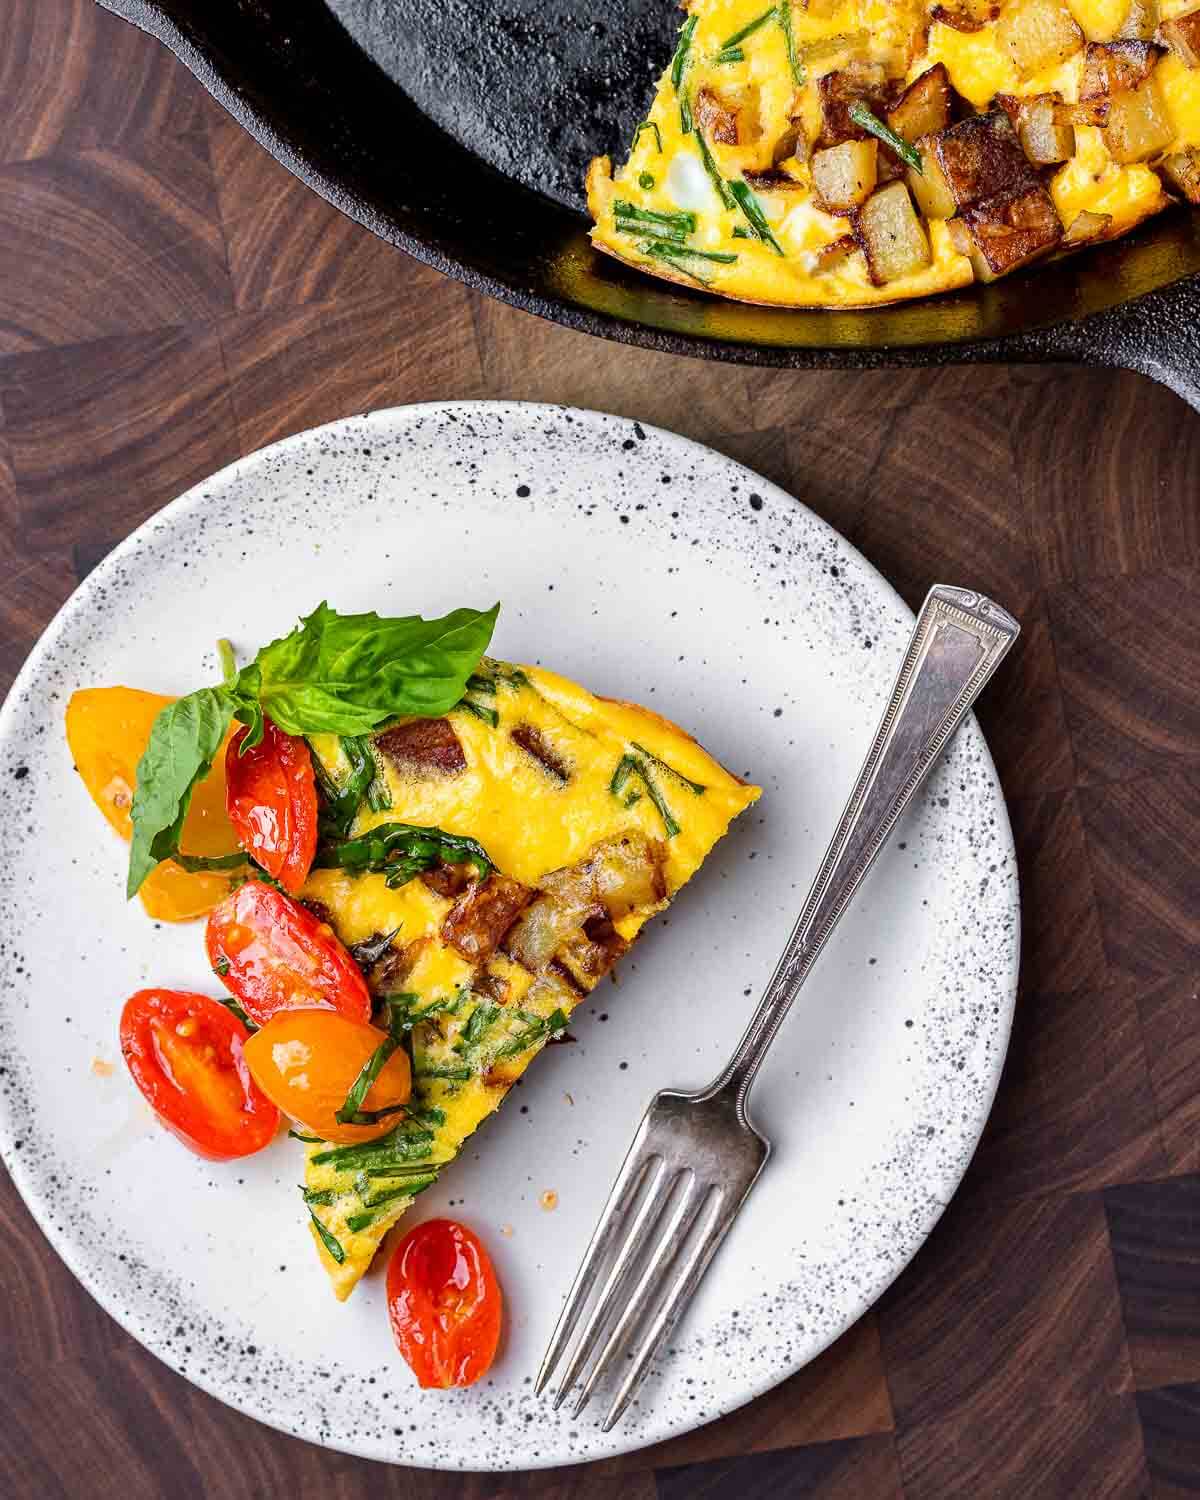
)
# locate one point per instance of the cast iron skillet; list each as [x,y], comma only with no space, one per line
[459,130]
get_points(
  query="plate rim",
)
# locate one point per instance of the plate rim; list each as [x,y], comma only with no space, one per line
[61,1242]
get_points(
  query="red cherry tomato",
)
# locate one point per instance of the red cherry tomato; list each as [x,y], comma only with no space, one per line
[185,1054]
[444,1303]
[273,954]
[271,798]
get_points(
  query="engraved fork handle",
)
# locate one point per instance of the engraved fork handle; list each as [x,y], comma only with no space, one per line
[959,640]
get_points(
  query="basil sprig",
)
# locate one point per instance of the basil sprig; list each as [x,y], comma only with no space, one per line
[337,674]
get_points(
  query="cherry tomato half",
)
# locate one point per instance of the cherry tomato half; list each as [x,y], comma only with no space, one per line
[273,954]
[307,1061]
[271,798]
[185,1054]
[444,1304]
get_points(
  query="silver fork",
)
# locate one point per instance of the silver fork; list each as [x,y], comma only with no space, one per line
[696,1156]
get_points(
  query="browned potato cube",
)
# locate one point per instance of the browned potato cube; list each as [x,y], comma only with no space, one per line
[717,119]
[844,176]
[1182,171]
[1045,136]
[891,235]
[858,83]
[1005,233]
[1037,34]
[924,106]
[965,15]
[1084,227]
[1139,126]
[1140,23]
[1182,35]
[981,157]
[929,186]
[1109,67]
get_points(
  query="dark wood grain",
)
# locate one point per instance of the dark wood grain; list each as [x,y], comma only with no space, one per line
[171,299]
[1155,1229]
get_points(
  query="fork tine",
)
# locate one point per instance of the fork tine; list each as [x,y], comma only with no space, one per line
[694,1266]
[679,1225]
[633,1239]
[633,1168]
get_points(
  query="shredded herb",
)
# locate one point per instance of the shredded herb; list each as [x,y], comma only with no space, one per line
[311,1140]
[477,683]
[328,1240]
[480,710]
[398,1146]
[404,1010]
[538,1031]
[351,1111]
[730,55]
[646,180]
[221,967]
[647,125]
[343,796]
[697,787]
[747,30]
[873,125]
[323,1199]
[751,207]
[664,226]
[740,232]
[355,1222]
[634,765]
[667,250]
[477,1023]
[401,851]
[456,1075]
[714,172]
[679,61]
[197,864]
[795,59]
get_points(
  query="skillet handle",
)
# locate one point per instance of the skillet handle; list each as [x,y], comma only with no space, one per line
[1157,335]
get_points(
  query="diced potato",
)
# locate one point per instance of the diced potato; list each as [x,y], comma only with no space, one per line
[1045,138]
[844,176]
[1182,171]
[716,118]
[1037,34]
[924,106]
[1139,126]
[1141,21]
[836,252]
[1182,35]
[1085,226]
[1005,233]
[857,83]
[981,157]
[929,186]
[1109,67]
[965,15]
[891,235]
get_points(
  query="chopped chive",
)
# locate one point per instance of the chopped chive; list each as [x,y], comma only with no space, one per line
[664,232]
[750,206]
[686,123]
[647,125]
[665,225]
[740,232]
[311,1140]
[730,55]
[373,1116]
[405,1170]
[873,125]
[714,172]
[670,251]
[355,1222]
[393,1149]
[795,60]
[323,1198]
[401,851]
[646,180]
[477,683]
[697,787]
[480,710]
[679,61]
[369,1072]
[630,765]
[457,1075]
[631,798]
[541,1028]
[405,1190]
[748,30]
[328,1240]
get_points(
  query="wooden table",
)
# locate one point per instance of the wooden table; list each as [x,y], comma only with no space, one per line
[171,299]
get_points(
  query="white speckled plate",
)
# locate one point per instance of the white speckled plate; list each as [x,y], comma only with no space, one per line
[648,567]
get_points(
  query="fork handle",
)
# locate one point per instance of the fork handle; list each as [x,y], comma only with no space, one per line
[959,640]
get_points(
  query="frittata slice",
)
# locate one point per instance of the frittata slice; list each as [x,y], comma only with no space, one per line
[594,813]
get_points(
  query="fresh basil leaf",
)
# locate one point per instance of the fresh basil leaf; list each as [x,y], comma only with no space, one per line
[184,740]
[347,674]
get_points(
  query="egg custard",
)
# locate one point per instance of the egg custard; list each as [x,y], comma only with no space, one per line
[592,813]
[849,153]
